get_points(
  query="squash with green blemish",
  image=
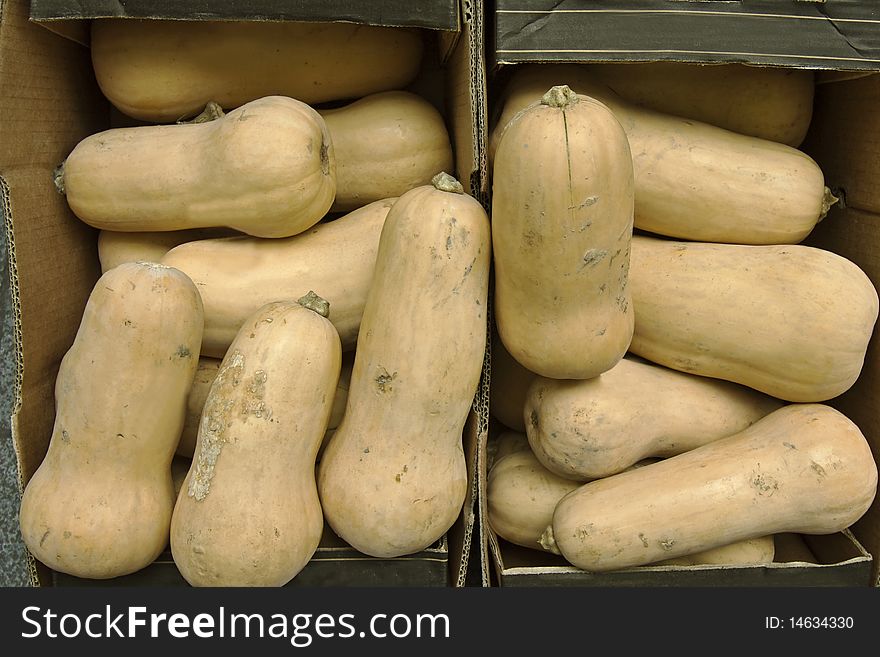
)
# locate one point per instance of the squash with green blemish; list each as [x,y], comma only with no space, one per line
[248,512]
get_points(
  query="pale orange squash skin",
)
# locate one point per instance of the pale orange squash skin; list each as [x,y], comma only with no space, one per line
[266,169]
[791,321]
[99,505]
[598,427]
[393,478]
[198,394]
[522,495]
[804,468]
[385,144]
[248,512]
[694,180]
[562,212]
[164,71]
[237,275]
[116,247]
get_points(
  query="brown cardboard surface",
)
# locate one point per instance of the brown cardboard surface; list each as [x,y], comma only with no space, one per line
[845,138]
[48,102]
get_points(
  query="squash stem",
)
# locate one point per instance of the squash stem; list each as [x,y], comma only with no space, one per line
[560,96]
[446,183]
[315,303]
[828,200]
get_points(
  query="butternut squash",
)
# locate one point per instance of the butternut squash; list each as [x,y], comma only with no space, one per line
[762,101]
[116,247]
[562,211]
[392,478]
[248,513]
[791,321]
[163,71]
[693,180]
[510,382]
[237,275]
[385,144]
[804,468]
[507,442]
[522,494]
[267,169]
[204,378]
[749,552]
[595,428]
[99,505]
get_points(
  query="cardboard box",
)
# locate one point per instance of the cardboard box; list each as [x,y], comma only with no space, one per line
[49,101]
[840,39]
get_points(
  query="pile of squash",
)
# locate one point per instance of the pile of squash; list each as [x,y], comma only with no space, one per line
[665,344]
[293,298]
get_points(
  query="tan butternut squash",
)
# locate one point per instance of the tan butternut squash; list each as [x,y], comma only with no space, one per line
[208,370]
[248,513]
[237,275]
[562,209]
[520,497]
[116,247]
[693,180]
[267,169]
[392,478]
[180,466]
[598,427]
[163,71]
[99,505]
[791,321]
[804,468]
[385,144]
[762,101]
[522,494]
[510,382]
[749,552]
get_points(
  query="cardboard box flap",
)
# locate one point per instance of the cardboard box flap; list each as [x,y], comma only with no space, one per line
[431,14]
[837,34]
